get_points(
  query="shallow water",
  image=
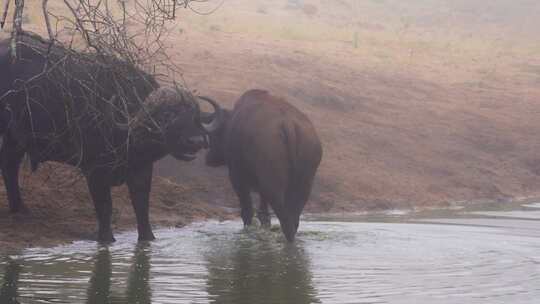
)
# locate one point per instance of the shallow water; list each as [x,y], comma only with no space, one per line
[476,258]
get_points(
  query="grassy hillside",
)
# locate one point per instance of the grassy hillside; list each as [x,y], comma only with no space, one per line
[435,102]
[418,103]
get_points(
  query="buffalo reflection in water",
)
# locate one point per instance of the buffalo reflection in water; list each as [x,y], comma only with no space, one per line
[99,290]
[8,289]
[257,271]
[138,288]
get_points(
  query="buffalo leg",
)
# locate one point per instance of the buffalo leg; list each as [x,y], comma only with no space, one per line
[272,187]
[246,206]
[101,195]
[244,196]
[298,194]
[139,186]
[264,215]
[286,220]
[10,162]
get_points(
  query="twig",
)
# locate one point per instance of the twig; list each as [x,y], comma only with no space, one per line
[117,41]
[17,27]
[47,20]
[4,15]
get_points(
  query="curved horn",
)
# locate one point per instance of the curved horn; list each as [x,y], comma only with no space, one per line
[207,117]
[211,122]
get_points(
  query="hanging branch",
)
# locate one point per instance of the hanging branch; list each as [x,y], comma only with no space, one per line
[89,40]
[4,14]
[17,27]
[47,20]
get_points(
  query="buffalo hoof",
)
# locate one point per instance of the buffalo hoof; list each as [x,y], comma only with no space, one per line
[265,221]
[149,236]
[19,210]
[106,238]
[248,221]
[289,233]
[290,238]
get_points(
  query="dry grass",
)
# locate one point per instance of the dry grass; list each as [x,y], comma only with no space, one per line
[428,110]
[433,39]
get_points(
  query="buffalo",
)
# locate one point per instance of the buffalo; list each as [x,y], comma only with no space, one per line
[272,148]
[112,121]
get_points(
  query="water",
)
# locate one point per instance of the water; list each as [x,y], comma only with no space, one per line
[469,257]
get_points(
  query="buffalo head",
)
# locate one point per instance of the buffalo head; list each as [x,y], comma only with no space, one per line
[174,116]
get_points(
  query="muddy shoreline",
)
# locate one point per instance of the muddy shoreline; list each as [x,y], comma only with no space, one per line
[61,210]
[437,128]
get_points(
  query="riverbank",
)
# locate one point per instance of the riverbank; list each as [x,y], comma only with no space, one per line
[61,210]
[486,256]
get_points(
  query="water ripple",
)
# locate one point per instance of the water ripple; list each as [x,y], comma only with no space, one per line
[332,262]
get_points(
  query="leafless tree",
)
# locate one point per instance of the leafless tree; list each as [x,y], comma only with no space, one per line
[120,36]
[130,30]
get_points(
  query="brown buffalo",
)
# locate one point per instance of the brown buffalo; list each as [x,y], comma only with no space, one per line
[272,148]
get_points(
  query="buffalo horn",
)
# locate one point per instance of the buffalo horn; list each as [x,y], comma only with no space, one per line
[210,122]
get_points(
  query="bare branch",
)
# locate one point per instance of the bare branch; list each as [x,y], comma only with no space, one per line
[47,20]
[88,39]
[17,27]
[4,15]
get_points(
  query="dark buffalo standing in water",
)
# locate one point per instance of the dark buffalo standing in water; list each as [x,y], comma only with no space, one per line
[73,114]
[270,147]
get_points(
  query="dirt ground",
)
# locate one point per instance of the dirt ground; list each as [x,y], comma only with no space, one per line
[61,209]
[415,109]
